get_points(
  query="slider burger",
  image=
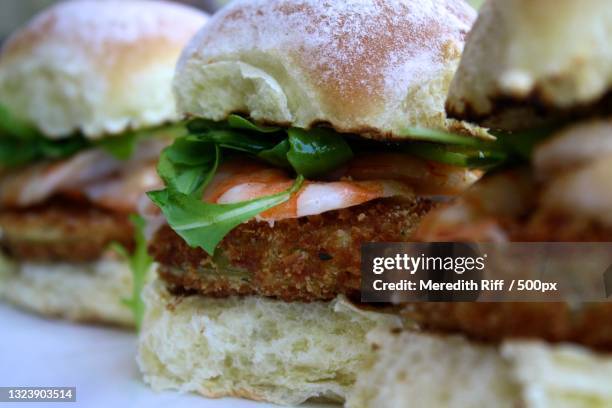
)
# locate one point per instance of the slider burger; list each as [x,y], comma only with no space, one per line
[315,127]
[86,106]
[541,70]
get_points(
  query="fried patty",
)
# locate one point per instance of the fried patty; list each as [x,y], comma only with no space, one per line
[546,226]
[62,230]
[588,324]
[305,259]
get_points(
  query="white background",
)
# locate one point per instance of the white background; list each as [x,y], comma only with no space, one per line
[98,361]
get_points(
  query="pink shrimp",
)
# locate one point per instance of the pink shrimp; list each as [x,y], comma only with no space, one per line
[425,177]
[480,213]
[245,180]
[95,174]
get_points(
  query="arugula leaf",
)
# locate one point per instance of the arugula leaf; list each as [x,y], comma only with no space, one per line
[277,156]
[21,143]
[238,122]
[308,152]
[12,126]
[317,151]
[445,138]
[235,122]
[469,159]
[438,154]
[188,165]
[235,140]
[188,151]
[140,263]
[122,147]
[57,149]
[205,225]
[523,143]
[16,152]
[19,148]
[508,146]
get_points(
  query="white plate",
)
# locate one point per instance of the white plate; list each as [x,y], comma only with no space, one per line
[98,361]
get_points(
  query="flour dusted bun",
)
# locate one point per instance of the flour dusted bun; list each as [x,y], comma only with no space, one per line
[254,347]
[98,67]
[366,67]
[423,370]
[89,292]
[526,60]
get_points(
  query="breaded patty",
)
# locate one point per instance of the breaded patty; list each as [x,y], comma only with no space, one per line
[588,324]
[62,230]
[305,259]
[549,226]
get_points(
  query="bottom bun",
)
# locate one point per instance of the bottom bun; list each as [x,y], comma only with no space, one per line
[90,292]
[254,347]
[421,370]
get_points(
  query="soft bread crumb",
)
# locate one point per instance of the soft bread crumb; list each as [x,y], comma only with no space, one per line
[415,370]
[254,347]
[425,370]
[89,292]
[562,376]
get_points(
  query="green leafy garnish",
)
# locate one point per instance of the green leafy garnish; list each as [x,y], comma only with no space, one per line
[445,138]
[16,152]
[205,225]
[235,140]
[10,125]
[238,122]
[123,147]
[140,263]
[509,147]
[317,152]
[523,143]
[189,165]
[21,143]
[277,156]
[308,152]
[443,154]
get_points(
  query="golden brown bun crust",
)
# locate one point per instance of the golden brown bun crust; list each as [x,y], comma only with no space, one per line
[96,66]
[372,68]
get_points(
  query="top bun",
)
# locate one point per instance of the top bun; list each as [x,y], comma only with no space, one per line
[96,67]
[366,67]
[527,62]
